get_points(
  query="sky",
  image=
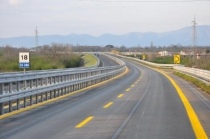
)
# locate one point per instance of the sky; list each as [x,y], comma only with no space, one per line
[97,17]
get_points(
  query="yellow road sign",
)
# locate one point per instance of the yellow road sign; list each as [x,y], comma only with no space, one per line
[176,59]
[143,57]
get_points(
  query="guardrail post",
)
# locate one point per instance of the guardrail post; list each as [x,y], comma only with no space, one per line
[37,97]
[1,108]
[25,102]
[42,81]
[10,87]
[58,92]
[36,82]
[1,88]
[54,93]
[25,84]
[47,81]
[61,90]
[31,100]
[18,104]
[41,97]
[10,106]
[18,86]
[71,88]
[51,94]
[46,96]
[50,82]
[31,83]
[1,104]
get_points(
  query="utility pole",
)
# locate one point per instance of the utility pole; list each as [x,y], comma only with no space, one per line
[36,37]
[194,39]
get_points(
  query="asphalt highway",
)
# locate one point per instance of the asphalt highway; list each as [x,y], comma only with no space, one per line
[143,104]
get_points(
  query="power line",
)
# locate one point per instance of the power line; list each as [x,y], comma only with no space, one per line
[145,1]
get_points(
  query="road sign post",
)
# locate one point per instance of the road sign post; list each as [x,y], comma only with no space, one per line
[24,60]
[176,59]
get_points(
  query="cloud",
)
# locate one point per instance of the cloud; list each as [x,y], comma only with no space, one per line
[15,2]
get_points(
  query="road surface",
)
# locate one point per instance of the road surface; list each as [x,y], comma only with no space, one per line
[141,104]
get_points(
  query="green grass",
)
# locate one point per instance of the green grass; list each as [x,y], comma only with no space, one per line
[195,81]
[164,60]
[40,62]
[89,60]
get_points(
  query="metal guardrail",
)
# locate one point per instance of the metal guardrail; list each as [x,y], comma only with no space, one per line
[150,63]
[33,87]
[203,75]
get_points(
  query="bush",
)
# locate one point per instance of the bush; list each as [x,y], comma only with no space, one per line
[71,61]
[164,60]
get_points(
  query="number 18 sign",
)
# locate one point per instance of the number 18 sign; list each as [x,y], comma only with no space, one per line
[24,60]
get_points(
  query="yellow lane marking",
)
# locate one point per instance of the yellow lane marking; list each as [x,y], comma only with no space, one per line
[197,127]
[108,105]
[127,90]
[132,85]
[120,95]
[58,98]
[84,122]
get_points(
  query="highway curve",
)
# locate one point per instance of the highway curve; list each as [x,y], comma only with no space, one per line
[143,104]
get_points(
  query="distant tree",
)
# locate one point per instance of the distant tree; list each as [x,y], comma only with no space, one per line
[109,46]
[123,49]
[207,51]
[55,51]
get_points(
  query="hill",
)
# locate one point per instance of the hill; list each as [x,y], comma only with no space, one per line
[182,36]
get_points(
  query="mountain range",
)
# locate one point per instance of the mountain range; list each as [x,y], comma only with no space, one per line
[182,36]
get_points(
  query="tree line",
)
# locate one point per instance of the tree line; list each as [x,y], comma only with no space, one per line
[58,55]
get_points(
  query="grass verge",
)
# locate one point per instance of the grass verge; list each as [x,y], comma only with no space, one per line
[89,60]
[195,81]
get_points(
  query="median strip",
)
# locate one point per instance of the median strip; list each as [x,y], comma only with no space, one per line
[84,122]
[108,105]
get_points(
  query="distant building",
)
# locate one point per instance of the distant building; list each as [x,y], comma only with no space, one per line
[164,53]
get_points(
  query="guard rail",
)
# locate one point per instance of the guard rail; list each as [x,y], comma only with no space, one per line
[165,66]
[22,90]
[203,75]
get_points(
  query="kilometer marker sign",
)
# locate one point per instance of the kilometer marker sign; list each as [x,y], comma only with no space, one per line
[24,60]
